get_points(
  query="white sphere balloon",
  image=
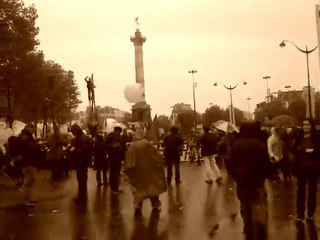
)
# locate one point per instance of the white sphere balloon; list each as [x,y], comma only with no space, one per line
[134,93]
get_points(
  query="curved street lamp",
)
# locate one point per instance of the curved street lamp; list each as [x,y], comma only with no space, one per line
[194,84]
[230,88]
[307,52]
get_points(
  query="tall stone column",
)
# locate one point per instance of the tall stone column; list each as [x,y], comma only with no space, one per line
[140,110]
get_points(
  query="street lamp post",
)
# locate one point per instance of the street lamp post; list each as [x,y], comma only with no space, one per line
[307,52]
[268,96]
[249,115]
[194,97]
[230,88]
[268,90]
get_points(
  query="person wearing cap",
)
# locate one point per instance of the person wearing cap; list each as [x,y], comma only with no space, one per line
[81,155]
[116,153]
[172,151]
[209,142]
[145,170]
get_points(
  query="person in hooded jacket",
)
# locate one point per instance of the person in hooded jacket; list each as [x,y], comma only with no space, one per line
[144,167]
[250,166]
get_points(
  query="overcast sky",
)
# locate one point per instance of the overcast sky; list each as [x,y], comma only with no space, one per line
[226,41]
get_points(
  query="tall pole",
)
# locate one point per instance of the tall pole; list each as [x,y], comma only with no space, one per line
[249,115]
[307,52]
[194,97]
[232,119]
[309,90]
[268,97]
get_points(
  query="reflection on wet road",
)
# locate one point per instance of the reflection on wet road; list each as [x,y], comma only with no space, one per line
[191,210]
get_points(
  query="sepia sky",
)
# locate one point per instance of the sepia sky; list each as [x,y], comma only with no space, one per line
[226,41]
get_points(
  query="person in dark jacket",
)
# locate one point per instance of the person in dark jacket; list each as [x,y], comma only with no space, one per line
[100,160]
[116,153]
[172,151]
[209,142]
[29,151]
[250,166]
[81,157]
[307,168]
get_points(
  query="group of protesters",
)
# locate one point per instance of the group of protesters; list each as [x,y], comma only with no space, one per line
[250,157]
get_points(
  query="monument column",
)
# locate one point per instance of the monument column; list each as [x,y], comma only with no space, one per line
[140,110]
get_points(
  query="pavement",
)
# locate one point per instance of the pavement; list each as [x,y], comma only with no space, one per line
[191,210]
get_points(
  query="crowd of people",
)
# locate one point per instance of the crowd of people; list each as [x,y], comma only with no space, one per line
[250,156]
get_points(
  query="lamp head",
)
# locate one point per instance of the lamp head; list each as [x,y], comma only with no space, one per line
[215,84]
[244,83]
[282,44]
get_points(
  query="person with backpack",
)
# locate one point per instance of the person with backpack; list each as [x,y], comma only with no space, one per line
[250,167]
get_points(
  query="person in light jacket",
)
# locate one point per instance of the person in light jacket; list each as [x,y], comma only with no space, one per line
[144,167]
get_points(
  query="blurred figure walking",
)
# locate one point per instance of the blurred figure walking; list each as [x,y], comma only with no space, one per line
[29,151]
[145,170]
[81,157]
[209,142]
[173,144]
[100,163]
[116,148]
[250,166]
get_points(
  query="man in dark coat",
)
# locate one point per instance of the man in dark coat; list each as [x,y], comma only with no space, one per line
[250,166]
[28,151]
[172,150]
[116,153]
[81,154]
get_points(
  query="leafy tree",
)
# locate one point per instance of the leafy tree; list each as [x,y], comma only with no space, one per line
[186,120]
[297,109]
[21,20]
[164,122]
[213,114]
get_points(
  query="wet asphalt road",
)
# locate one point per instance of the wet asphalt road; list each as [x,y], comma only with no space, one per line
[190,211]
